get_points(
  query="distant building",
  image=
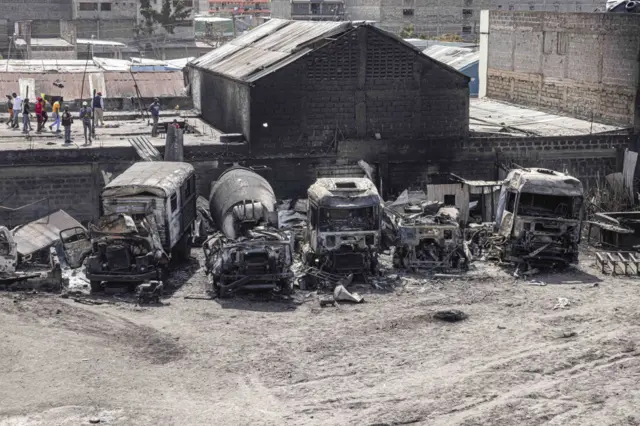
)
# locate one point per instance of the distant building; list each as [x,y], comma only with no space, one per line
[319,10]
[413,18]
[463,59]
[585,65]
[307,85]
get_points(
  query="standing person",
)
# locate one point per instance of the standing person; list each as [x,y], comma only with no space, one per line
[17,109]
[38,111]
[67,119]
[45,115]
[55,112]
[26,121]
[85,116]
[98,108]
[10,109]
[155,114]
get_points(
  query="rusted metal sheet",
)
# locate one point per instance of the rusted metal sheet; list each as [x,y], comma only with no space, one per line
[145,149]
[43,233]
[157,178]
[150,84]
[46,83]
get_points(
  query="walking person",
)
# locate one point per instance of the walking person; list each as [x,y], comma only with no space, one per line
[38,111]
[155,114]
[98,109]
[67,119]
[85,116]
[17,109]
[10,109]
[26,121]
[55,113]
[45,115]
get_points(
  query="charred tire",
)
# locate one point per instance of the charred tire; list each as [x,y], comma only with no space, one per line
[96,286]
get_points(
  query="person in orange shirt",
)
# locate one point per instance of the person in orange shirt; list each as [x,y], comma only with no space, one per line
[56,116]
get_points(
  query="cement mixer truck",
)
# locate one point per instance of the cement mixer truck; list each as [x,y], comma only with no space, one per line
[249,252]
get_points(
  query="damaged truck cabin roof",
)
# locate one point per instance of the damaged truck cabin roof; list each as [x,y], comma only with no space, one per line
[344,192]
[543,181]
[159,178]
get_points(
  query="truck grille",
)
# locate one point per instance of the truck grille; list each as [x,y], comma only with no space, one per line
[118,258]
[347,262]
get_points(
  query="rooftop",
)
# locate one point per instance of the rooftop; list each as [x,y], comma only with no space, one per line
[44,42]
[160,178]
[491,116]
[456,57]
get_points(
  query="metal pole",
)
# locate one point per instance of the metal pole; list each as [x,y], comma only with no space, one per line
[9,57]
[93,115]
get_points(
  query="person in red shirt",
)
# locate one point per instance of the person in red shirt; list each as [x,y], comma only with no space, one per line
[38,111]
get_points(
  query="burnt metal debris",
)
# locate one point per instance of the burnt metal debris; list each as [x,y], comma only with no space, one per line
[344,226]
[425,235]
[249,252]
[539,218]
[149,212]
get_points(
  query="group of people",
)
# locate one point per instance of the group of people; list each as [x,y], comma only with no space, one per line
[16,106]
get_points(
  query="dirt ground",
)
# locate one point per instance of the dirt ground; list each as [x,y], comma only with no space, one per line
[515,361]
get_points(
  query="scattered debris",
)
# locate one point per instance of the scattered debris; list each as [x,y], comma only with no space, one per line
[563,303]
[450,315]
[619,263]
[567,334]
[538,283]
[341,294]
[149,292]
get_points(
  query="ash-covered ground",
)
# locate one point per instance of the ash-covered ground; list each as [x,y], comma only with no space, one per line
[519,359]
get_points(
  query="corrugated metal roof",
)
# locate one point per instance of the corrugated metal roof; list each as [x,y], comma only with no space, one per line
[45,42]
[491,116]
[48,65]
[456,57]
[110,64]
[44,232]
[151,84]
[265,47]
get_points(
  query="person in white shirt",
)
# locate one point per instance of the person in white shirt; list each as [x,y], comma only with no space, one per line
[17,108]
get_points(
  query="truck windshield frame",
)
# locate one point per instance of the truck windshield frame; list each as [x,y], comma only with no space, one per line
[348,219]
[549,205]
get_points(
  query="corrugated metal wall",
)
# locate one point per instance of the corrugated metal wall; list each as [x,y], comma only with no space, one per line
[439,191]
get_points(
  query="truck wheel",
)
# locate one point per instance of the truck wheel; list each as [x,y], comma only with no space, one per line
[96,286]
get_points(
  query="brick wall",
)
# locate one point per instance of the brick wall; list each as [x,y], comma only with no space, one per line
[582,64]
[73,179]
[363,83]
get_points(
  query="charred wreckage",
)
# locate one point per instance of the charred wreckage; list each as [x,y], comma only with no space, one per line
[249,252]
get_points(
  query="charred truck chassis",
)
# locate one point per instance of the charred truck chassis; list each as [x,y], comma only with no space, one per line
[344,227]
[437,246]
[251,263]
[249,253]
[539,218]
[125,257]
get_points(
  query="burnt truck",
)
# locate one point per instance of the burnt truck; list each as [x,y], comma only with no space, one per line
[539,217]
[425,240]
[344,226]
[249,252]
[147,214]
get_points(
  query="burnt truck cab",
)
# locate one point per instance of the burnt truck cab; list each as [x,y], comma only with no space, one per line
[344,226]
[428,241]
[539,217]
[147,214]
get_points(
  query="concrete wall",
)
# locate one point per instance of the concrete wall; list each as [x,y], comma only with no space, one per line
[72,179]
[582,64]
[113,29]
[119,10]
[16,10]
[281,9]
[432,18]
[362,84]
